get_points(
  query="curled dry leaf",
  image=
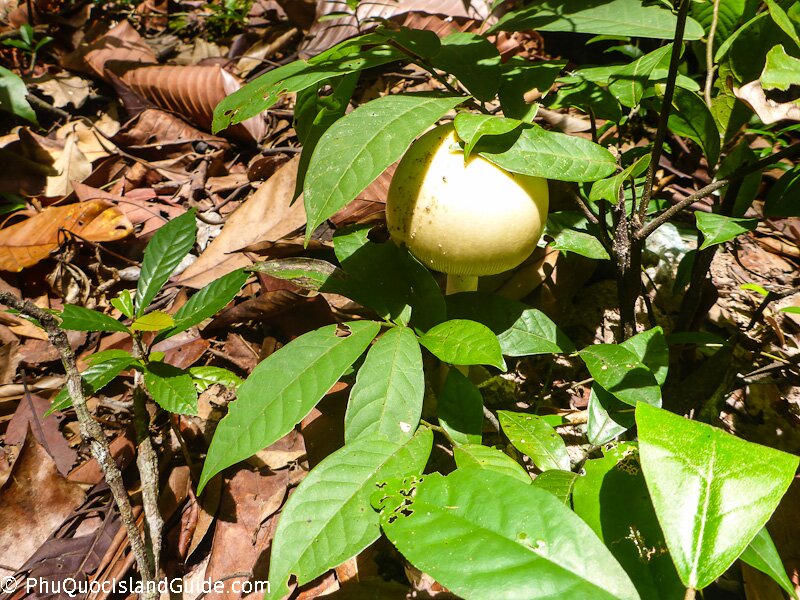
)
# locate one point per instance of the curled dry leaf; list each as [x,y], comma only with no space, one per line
[192,92]
[767,110]
[121,44]
[25,244]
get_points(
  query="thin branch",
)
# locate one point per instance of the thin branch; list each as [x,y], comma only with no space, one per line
[90,429]
[744,171]
[666,107]
[710,68]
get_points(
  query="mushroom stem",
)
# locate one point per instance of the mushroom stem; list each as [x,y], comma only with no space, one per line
[461,283]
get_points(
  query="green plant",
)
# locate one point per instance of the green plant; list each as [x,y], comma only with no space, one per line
[28,43]
[659,516]
[227,17]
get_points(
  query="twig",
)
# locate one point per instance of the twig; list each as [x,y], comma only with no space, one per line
[712,187]
[666,107]
[91,431]
[710,68]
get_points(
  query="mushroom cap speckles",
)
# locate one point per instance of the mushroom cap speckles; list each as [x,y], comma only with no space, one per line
[463,219]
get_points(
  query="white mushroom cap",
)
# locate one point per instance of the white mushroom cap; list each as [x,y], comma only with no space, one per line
[468,219]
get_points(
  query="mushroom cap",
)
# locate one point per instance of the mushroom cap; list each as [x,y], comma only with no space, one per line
[461,218]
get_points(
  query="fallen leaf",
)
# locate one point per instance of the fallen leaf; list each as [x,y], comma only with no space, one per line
[71,165]
[64,89]
[767,110]
[122,43]
[25,244]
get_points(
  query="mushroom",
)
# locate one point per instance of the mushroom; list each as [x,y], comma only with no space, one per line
[463,218]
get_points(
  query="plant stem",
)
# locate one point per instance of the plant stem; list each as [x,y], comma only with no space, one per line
[666,107]
[690,594]
[710,68]
[91,432]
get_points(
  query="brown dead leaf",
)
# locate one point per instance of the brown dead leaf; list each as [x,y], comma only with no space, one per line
[264,216]
[767,110]
[89,472]
[192,92]
[121,43]
[34,501]
[156,134]
[71,165]
[9,361]
[64,89]
[26,243]
[290,448]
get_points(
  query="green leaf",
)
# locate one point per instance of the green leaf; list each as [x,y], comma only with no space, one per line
[783,21]
[167,248]
[712,492]
[309,274]
[78,318]
[207,302]
[692,118]
[471,128]
[628,83]
[387,396]
[518,78]
[612,498]
[618,17]
[761,554]
[359,147]
[261,93]
[608,417]
[104,368]
[124,303]
[651,348]
[571,232]
[728,15]
[473,60]
[792,310]
[533,437]
[205,377]
[153,321]
[587,96]
[463,342]
[620,372]
[518,540]
[13,96]
[328,519]
[460,408]
[541,153]
[283,389]
[521,330]
[172,388]
[475,456]
[718,229]
[782,197]
[388,279]
[781,71]
[608,189]
[558,483]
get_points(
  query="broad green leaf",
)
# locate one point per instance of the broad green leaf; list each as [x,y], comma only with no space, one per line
[728,15]
[309,274]
[608,417]
[475,456]
[761,554]
[417,43]
[124,303]
[261,93]
[167,248]
[782,20]
[470,128]
[521,330]
[13,96]
[608,189]
[283,389]
[651,348]
[205,377]
[781,71]
[542,153]
[388,279]
[78,318]
[612,498]
[359,147]
[729,42]
[691,118]
[473,60]
[533,437]
[464,342]
[617,17]
[571,232]
[460,408]
[782,197]
[517,540]
[559,483]
[793,310]
[172,388]
[153,321]
[518,78]
[742,196]
[328,519]
[207,302]
[628,83]
[587,96]
[387,396]
[712,492]
[100,373]
[718,229]
[620,372]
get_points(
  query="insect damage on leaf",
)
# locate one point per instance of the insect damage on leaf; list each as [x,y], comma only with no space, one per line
[395,498]
[342,331]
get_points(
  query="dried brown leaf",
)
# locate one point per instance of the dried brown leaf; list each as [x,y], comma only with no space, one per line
[767,110]
[26,243]
[121,44]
